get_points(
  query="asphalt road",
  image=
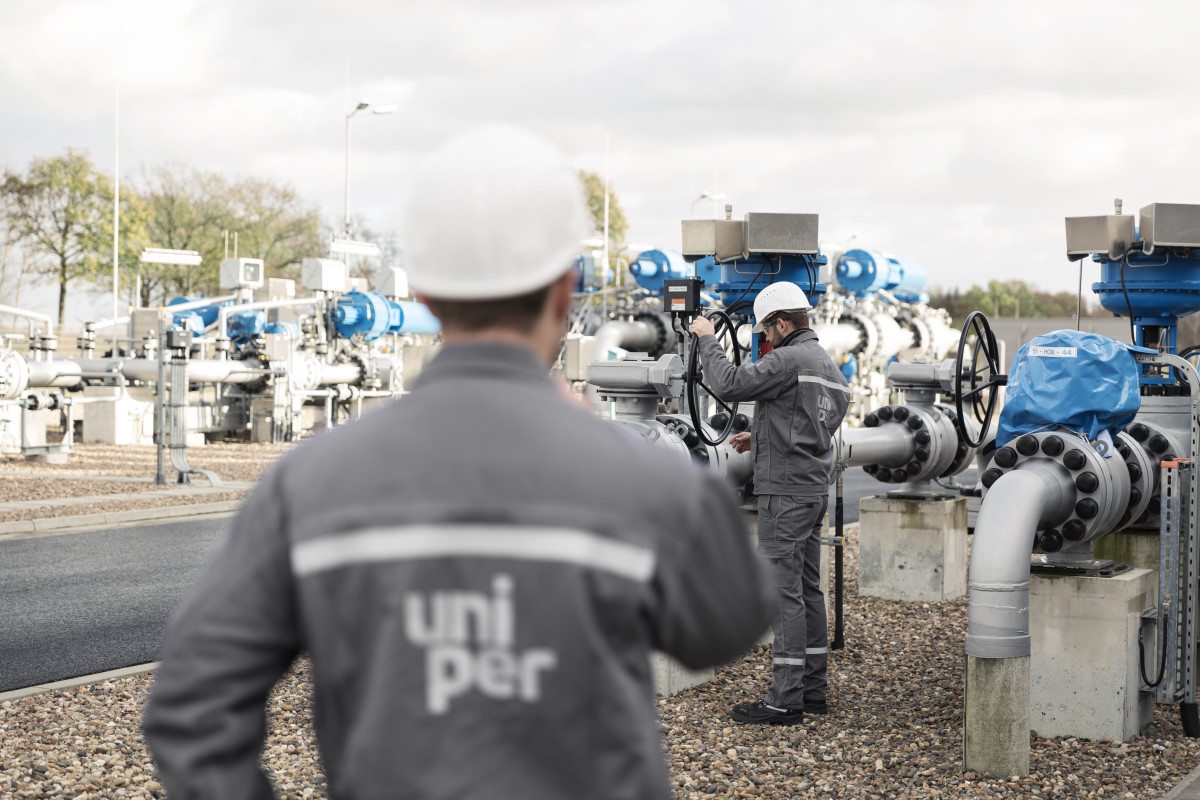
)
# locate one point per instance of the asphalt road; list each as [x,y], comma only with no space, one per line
[77,604]
[81,603]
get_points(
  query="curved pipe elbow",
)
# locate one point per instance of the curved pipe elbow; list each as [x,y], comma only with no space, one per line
[1035,495]
[637,336]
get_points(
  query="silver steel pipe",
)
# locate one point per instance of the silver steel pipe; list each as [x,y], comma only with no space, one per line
[889,445]
[31,316]
[1036,494]
[200,370]
[633,336]
[349,372]
[838,337]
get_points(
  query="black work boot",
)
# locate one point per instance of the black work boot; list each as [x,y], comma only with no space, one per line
[762,714]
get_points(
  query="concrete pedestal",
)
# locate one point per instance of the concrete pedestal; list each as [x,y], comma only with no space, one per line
[671,677]
[1085,679]
[912,549]
[1137,548]
[127,419]
[10,428]
[996,716]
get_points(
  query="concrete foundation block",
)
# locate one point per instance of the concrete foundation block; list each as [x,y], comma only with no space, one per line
[996,716]
[1137,548]
[912,549]
[1085,678]
[128,418]
[671,677]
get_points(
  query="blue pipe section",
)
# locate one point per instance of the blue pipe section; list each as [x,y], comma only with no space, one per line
[242,326]
[653,267]
[864,272]
[198,318]
[372,315]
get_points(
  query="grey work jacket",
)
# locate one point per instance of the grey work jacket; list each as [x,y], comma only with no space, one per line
[479,572]
[800,401]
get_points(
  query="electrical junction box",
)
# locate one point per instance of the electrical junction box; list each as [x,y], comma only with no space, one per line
[1170,225]
[722,239]
[238,273]
[393,282]
[1109,235]
[580,351]
[179,340]
[323,275]
[781,234]
[281,289]
[682,295]
[277,346]
[143,322]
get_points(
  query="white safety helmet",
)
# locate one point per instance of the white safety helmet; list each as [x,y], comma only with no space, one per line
[782,296]
[496,212]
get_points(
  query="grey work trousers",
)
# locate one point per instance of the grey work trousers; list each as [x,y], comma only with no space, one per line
[789,536]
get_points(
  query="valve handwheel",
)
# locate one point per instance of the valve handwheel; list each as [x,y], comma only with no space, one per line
[982,374]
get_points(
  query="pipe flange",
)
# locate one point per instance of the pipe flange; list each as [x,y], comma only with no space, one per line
[869,341]
[1142,477]
[1157,444]
[662,329]
[1101,485]
[936,443]
[14,374]
[962,453]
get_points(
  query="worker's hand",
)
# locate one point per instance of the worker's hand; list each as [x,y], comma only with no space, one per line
[702,327]
[740,442]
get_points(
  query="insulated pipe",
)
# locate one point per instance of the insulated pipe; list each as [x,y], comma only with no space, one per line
[223,314]
[633,336]
[892,445]
[1037,494]
[32,316]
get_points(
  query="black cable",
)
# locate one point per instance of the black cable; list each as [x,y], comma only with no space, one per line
[766,261]
[691,379]
[1162,662]
[1128,305]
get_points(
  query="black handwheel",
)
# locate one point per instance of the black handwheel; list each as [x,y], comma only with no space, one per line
[724,324]
[979,376]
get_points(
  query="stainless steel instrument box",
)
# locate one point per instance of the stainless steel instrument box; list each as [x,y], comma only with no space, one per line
[1170,225]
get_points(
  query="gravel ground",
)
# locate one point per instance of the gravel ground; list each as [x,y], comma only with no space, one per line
[894,730]
[22,480]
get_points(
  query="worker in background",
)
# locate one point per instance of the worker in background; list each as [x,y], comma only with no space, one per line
[800,400]
[479,571]
[849,366]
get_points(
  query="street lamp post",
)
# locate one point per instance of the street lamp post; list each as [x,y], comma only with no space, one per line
[363,105]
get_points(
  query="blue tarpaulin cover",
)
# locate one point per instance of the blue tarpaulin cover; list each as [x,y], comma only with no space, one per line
[1082,381]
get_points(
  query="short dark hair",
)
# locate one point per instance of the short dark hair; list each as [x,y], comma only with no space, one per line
[799,319]
[467,316]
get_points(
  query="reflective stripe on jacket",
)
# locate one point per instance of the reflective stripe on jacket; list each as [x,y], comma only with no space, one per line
[800,401]
[479,572]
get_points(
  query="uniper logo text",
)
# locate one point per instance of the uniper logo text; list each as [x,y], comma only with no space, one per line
[447,624]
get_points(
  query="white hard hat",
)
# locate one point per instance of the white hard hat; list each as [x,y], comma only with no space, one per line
[496,212]
[782,296]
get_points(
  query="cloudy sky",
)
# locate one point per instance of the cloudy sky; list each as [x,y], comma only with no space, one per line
[958,134]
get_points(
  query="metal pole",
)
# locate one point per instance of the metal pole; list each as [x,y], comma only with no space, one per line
[838,627]
[116,207]
[346,228]
[160,408]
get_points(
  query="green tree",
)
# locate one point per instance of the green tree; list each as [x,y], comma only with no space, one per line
[186,209]
[1010,299]
[593,186]
[274,224]
[61,207]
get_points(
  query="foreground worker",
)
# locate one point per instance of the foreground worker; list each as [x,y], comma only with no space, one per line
[478,572]
[800,400]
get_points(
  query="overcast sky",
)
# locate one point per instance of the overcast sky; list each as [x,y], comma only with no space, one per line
[958,134]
